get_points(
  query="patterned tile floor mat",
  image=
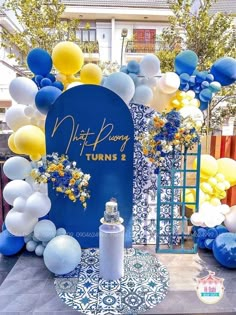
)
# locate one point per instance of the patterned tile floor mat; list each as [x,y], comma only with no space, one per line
[145,284]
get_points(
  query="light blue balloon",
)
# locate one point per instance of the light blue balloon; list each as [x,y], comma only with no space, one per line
[45,230]
[28,238]
[62,254]
[124,69]
[143,95]
[39,250]
[215,86]
[151,82]
[134,78]
[31,245]
[35,239]
[61,231]
[121,84]
[150,66]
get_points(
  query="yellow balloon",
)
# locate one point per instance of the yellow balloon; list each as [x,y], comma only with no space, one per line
[195,102]
[180,95]
[227,167]
[215,201]
[190,196]
[219,187]
[220,177]
[67,57]
[190,95]
[209,166]
[212,181]
[30,140]
[206,188]
[91,74]
[11,144]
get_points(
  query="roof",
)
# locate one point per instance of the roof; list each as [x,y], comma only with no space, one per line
[228,6]
[161,4]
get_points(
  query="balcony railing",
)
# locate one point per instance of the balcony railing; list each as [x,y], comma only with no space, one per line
[144,47]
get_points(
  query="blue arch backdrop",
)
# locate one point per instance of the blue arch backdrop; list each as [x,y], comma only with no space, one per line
[94,127]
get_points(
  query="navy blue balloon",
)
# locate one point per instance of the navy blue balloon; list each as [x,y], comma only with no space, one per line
[46,97]
[205,95]
[58,85]
[186,62]
[192,80]
[51,77]
[133,66]
[197,89]
[224,250]
[10,244]
[45,82]
[224,70]
[4,226]
[39,61]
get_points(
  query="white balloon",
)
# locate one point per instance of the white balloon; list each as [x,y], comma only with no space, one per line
[15,117]
[230,220]
[196,219]
[169,82]
[23,90]
[150,65]
[20,224]
[40,187]
[29,111]
[193,112]
[160,100]
[16,188]
[224,209]
[19,204]
[73,84]
[38,205]
[17,167]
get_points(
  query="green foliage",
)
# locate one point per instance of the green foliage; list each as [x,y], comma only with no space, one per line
[166,58]
[42,25]
[210,36]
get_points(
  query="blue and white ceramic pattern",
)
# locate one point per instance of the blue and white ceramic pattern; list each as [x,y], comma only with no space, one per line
[145,188]
[145,284]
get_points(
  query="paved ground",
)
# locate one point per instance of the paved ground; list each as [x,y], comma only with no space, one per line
[26,286]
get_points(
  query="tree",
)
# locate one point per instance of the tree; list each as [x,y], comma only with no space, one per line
[210,36]
[42,26]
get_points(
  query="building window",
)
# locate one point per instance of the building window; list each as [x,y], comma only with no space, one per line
[85,35]
[144,40]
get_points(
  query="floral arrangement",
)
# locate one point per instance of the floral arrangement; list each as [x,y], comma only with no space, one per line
[65,177]
[165,133]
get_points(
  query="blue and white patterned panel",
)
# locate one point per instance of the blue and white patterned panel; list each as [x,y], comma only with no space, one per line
[144,285]
[145,187]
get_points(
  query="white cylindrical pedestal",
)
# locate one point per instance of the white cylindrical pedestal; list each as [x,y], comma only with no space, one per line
[111,251]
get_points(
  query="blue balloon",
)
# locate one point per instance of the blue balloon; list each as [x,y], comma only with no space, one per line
[45,82]
[4,226]
[184,78]
[46,97]
[224,250]
[51,77]
[133,66]
[192,80]
[212,233]
[205,95]
[210,77]
[186,62]
[134,77]
[124,69]
[201,76]
[215,86]
[203,105]
[201,243]
[221,229]
[38,78]
[39,61]
[197,89]
[184,87]
[205,84]
[58,85]
[202,233]
[209,243]
[224,70]
[10,244]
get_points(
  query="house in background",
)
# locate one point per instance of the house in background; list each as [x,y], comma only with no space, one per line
[142,22]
